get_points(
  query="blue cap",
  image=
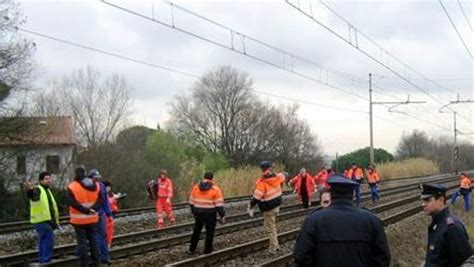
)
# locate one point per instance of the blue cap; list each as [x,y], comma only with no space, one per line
[265,165]
[432,190]
[341,183]
[95,174]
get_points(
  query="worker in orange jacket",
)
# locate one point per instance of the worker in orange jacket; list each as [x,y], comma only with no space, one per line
[268,196]
[304,186]
[373,179]
[83,200]
[356,174]
[464,190]
[164,195]
[206,201]
[321,179]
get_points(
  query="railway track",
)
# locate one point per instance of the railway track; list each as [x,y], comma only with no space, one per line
[64,220]
[182,232]
[219,257]
[18,226]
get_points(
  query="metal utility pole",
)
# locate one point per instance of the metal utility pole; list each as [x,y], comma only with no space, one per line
[456,131]
[371,151]
[371,115]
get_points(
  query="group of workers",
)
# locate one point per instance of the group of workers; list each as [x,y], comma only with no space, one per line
[92,206]
[338,233]
[304,184]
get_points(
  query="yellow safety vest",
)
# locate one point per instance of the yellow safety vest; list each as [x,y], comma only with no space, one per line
[39,210]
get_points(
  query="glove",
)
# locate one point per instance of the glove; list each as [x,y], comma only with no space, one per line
[168,200]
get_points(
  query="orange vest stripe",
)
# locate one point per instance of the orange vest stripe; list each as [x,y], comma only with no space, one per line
[87,199]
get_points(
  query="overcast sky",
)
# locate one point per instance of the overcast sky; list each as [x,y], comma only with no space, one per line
[416,32]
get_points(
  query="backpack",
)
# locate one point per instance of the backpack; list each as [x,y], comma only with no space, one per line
[152,189]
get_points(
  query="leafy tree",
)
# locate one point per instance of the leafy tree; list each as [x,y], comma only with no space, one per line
[361,158]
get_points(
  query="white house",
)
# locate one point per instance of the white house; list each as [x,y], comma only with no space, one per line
[30,145]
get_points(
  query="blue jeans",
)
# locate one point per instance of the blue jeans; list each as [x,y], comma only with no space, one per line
[46,241]
[467,198]
[87,241]
[102,239]
[373,192]
[357,194]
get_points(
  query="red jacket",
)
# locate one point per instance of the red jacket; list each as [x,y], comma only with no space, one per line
[296,182]
[165,187]
[322,178]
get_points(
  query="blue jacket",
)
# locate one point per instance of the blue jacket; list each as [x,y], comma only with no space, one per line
[448,241]
[104,206]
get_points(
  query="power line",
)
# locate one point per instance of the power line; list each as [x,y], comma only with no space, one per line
[465,15]
[97,50]
[353,40]
[456,29]
[243,50]
[138,61]
[191,75]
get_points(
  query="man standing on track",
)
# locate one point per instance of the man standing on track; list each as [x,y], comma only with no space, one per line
[206,202]
[44,215]
[268,196]
[163,199]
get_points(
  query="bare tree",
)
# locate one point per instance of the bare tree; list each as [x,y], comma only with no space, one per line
[417,144]
[98,105]
[224,115]
[16,52]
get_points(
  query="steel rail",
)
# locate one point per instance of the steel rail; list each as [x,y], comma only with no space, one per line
[142,247]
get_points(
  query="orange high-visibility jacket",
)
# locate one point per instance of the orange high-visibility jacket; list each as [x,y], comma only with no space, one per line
[206,197]
[268,192]
[465,182]
[87,199]
[165,187]
[296,182]
[322,178]
[372,177]
[356,174]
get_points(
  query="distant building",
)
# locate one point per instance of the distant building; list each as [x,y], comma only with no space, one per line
[30,145]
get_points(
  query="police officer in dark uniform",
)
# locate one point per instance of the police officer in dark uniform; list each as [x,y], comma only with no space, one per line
[342,234]
[448,241]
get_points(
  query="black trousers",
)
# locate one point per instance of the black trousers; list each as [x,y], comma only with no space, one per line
[305,199]
[87,237]
[201,219]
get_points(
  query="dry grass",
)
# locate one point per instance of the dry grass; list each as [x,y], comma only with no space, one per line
[408,167]
[233,182]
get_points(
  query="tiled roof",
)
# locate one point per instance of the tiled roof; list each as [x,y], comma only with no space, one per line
[37,131]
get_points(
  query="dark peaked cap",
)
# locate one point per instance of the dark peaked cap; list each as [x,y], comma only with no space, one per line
[341,184]
[432,190]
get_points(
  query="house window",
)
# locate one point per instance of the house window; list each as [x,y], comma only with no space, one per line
[52,164]
[21,165]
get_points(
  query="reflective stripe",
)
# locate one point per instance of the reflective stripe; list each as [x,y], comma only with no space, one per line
[203,200]
[82,215]
[87,204]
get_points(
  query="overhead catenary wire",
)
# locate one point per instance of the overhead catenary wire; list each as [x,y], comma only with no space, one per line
[465,15]
[456,29]
[357,46]
[195,76]
[246,53]
[175,27]
[172,70]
